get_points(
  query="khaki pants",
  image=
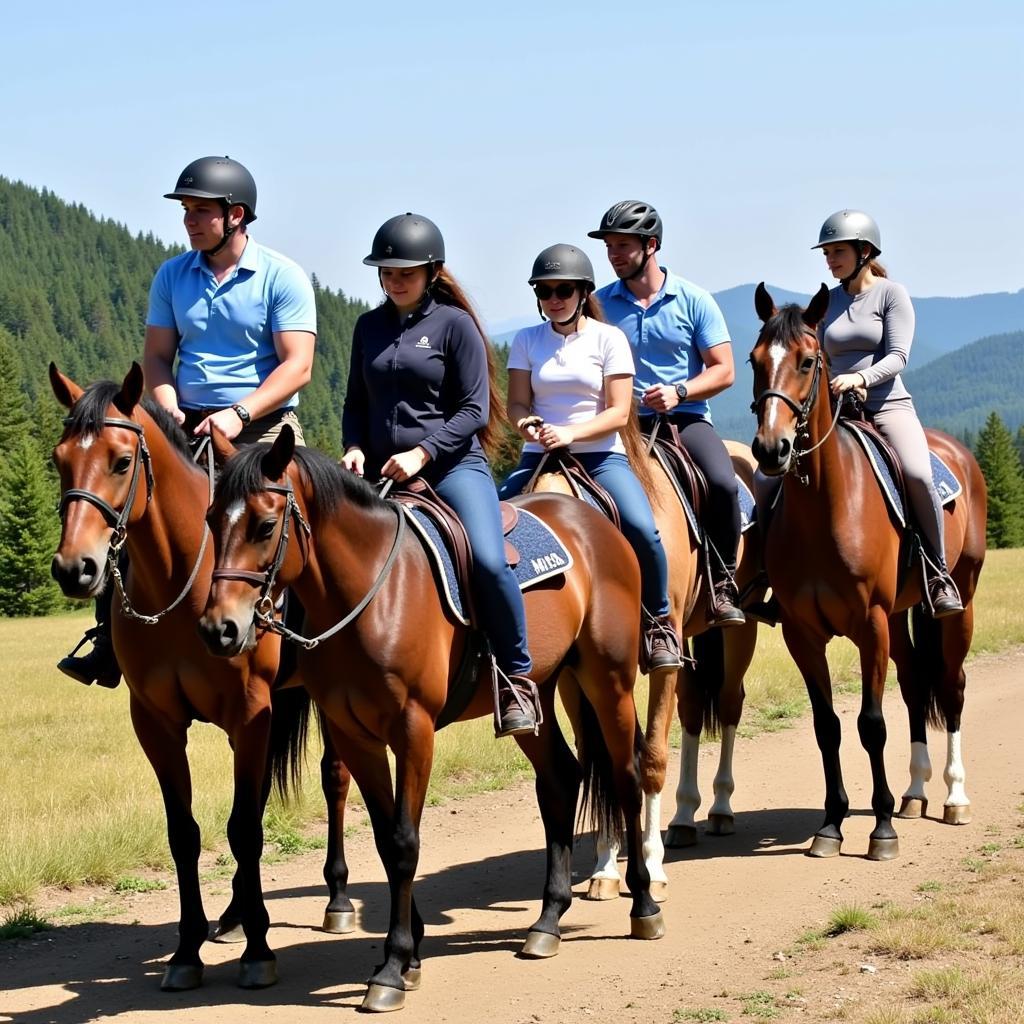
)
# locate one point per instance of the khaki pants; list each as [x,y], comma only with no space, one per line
[266,428]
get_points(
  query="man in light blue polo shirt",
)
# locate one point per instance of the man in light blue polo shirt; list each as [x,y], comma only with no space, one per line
[683,357]
[239,319]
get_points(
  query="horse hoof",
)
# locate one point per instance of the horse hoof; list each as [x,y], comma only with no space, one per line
[382,999]
[659,891]
[825,846]
[883,849]
[652,927]
[721,825]
[182,977]
[339,922]
[678,837]
[603,889]
[257,973]
[540,946]
[412,977]
[958,814]
[913,807]
[227,933]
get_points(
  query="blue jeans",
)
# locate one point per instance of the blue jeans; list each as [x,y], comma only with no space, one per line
[611,470]
[469,489]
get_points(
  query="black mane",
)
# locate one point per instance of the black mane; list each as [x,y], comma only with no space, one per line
[88,413]
[242,476]
[787,325]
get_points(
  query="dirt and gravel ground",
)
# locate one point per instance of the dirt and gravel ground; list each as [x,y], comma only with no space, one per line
[734,904]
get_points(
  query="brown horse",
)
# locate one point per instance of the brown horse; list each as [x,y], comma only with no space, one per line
[127,476]
[708,690]
[835,560]
[368,586]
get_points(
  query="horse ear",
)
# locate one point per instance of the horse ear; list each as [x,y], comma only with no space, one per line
[223,449]
[816,308]
[276,461]
[131,390]
[66,390]
[764,304]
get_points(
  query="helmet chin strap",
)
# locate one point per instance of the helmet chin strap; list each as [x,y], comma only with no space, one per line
[226,237]
[643,263]
[575,318]
[862,261]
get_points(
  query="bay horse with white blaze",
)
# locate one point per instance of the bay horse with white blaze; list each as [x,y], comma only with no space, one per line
[388,650]
[837,563]
[127,477]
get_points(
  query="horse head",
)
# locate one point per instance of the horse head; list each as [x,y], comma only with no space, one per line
[100,458]
[250,518]
[787,363]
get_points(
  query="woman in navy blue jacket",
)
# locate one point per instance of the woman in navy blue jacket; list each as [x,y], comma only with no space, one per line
[422,400]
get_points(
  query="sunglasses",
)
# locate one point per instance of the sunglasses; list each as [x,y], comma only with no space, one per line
[565,290]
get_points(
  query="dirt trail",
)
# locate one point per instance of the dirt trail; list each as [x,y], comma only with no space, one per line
[733,902]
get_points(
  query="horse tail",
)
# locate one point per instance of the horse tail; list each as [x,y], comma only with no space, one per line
[928,664]
[636,452]
[708,675]
[289,728]
[601,807]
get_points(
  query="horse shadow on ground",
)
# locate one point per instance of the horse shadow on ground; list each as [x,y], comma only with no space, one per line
[334,972]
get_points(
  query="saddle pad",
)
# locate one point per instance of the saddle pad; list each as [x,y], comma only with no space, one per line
[748,510]
[542,555]
[946,483]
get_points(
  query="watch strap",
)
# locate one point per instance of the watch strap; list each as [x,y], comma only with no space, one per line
[242,413]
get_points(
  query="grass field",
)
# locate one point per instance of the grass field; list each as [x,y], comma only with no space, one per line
[79,803]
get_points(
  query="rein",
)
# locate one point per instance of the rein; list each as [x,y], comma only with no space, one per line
[264,610]
[119,520]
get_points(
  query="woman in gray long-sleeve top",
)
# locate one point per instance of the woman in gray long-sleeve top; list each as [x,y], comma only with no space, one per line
[867,334]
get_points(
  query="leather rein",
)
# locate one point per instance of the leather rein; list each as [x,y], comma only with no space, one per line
[118,520]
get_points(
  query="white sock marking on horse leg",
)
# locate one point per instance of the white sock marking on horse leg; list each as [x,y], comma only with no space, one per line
[920,771]
[724,783]
[954,774]
[607,855]
[653,847]
[687,793]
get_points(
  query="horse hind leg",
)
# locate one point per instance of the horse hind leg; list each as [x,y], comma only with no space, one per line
[335,780]
[914,802]
[957,632]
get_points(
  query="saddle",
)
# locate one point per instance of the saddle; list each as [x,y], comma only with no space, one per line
[581,484]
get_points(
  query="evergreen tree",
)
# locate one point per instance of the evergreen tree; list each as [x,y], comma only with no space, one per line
[1002,469]
[29,532]
[14,419]
[1019,444]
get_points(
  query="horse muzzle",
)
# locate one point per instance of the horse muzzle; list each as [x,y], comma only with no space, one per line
[225,635]
[79,576]
[772,459]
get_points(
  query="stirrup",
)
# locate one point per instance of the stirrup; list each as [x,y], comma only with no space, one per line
[524,715]
[657,628]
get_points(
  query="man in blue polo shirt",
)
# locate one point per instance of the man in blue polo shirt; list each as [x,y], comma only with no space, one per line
[239,319]
[683,357]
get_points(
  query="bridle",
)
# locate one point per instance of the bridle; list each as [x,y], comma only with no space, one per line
[118,520]
[803,413]
[263,611]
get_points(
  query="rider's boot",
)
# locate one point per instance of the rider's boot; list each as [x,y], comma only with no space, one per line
[725,609]
[660,643]
[943,596]
[100,664]
[515,708]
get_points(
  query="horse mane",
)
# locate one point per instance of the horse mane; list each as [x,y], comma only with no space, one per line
[330,485]
[787,324]
[88,413]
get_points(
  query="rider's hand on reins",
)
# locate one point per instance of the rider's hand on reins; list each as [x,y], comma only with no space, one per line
[555,437]
[354,461]
[847,382]
[529,427]
[403,465]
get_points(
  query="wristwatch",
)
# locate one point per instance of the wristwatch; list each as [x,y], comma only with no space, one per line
[243,414]
[680,391]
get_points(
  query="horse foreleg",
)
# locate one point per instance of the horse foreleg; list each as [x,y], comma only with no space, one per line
[164,746]
[335,780]
[412,740]
[957,633]
[808,651]
[557,786]
[873,644]
[682,829]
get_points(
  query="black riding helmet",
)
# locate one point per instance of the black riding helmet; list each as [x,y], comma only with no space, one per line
[407,240]
[217,177]
[630,217]
[561,262]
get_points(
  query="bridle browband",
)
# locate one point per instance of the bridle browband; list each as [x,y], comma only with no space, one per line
[263,612]
[118,521]
[803,412]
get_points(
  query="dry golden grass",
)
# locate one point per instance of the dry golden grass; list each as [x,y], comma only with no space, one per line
[79,803]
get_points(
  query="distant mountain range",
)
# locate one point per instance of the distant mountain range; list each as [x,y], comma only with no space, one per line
[962,386]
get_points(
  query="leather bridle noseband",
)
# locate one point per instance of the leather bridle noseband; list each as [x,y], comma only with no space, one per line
[263,612]
[118,521]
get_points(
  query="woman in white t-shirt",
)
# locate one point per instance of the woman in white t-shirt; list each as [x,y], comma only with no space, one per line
[570,385]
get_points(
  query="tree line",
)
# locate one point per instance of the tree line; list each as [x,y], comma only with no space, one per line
[74,290]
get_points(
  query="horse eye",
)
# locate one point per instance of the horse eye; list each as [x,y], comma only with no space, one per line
[123,464]
[266,529]
[807,365]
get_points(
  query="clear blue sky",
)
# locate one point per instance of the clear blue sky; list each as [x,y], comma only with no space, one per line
[515,125]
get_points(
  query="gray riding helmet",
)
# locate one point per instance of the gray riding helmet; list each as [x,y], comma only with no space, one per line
[407,240]
[850,226]
[562,262]
[630,217]
[217,177]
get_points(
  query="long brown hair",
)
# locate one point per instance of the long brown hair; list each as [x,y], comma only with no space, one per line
[447,291]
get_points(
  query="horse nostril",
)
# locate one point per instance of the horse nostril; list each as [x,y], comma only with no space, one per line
[784,449]
[228,633]
[88,570]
